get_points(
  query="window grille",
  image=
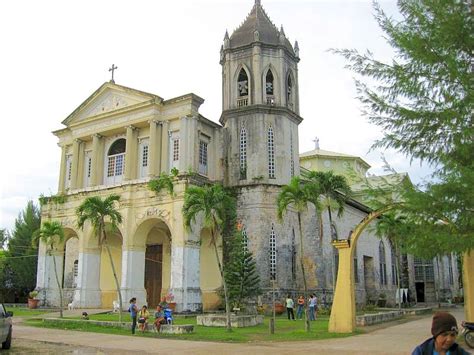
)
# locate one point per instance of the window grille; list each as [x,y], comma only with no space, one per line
[116,161]
[245,241]
[271,153]
[289,92]
[382,264]
[202,157]
[175,149]
[243,153]
[89,166]
[272,254]
[68,171]
[145,156]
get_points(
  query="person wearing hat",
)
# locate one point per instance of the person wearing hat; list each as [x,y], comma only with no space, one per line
[445,330]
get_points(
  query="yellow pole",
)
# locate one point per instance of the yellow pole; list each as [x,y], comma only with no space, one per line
[468,285]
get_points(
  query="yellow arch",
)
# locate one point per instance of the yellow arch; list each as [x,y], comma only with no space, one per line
[343,311]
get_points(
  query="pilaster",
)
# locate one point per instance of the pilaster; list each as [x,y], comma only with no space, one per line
[97,160]
[257,74]
[185,278]
[87,293]
[133,275]
[154,152]
[131,153]
[165,142]
[76,146]
[80,166]
[62,171]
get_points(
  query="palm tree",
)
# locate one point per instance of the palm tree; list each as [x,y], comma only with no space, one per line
[52,234]
[212,202]
[394,227]
[335,190]
[299,194]
[96,211]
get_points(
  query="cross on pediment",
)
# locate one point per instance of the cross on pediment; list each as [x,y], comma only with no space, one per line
[112,70]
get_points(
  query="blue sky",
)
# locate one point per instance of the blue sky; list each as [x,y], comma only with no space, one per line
[56,53]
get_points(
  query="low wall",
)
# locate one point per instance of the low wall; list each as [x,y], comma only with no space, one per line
[381,317]
[236,321]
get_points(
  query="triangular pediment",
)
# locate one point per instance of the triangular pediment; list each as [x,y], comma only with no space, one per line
[108,98]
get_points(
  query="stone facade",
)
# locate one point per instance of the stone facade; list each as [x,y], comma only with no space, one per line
[120,138]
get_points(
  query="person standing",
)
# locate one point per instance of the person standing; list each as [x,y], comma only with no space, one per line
[289,307]
[300,309]
[444,329]
[312,303]
[133,309]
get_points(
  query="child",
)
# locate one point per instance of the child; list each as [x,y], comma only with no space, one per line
[143,316]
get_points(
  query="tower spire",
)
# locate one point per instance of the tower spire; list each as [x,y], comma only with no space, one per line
[258,3]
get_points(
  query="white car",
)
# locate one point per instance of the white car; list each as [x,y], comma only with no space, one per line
[6,327]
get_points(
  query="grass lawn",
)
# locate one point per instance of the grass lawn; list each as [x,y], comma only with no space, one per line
[285,330]
[26,312]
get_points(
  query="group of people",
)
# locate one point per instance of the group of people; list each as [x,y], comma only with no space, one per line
[312,304]
[142,316]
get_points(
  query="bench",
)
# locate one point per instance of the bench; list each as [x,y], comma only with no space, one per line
[177,329]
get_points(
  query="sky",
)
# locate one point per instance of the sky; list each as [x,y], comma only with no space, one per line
[54,54]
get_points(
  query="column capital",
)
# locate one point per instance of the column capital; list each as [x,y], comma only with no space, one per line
[78,140]
[132,127]
[97,135]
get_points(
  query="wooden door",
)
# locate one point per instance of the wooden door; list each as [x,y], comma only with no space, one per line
[153,274]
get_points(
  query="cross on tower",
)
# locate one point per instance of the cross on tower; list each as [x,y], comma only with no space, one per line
[112,70]
[316,142]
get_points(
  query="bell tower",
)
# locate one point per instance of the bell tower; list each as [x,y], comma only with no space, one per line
[260,102]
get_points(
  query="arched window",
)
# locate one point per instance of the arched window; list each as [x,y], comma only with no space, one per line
[382,264]
[272,254]
[271,153]
[116,161]
[394,265]
[289,92]
[243,153]
[269,88]
[242,88]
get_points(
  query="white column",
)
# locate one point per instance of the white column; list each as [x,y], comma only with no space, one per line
[133,276]
[185,277]
[131,153]
[165,139]
[97,160]
[87,294]
[76,146]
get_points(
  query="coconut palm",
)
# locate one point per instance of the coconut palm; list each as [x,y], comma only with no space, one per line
[97,211]
[52,234]
[335,190]
[394,227]
[211,202]
[298,195]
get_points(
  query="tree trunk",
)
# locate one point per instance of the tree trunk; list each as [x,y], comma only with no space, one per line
[307,325]
[330,221]
[117,284]
[397,268]
[59,287]
[224,284]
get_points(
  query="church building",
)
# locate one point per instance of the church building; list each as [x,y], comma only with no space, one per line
[120,138]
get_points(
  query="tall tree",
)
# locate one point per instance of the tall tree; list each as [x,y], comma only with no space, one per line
[423,102]
[297,195]
[98,212]
[21,257]
[211,203]
[240,272]
[3,237]
[52,234]
[335,190]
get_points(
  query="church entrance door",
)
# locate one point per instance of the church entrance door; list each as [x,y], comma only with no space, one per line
[153,274]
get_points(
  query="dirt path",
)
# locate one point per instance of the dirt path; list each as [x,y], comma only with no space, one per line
[396,339]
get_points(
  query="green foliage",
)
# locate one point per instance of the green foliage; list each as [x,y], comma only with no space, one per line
[164,181]
[52,234]
[55,199]
[423,102]
[297,194]
[3,237]
[18,269]
[96,211]
[240,273]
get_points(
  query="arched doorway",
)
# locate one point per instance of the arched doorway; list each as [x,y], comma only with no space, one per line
[157,263]
[70,264]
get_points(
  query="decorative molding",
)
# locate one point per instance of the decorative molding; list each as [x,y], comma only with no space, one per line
[152,212]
